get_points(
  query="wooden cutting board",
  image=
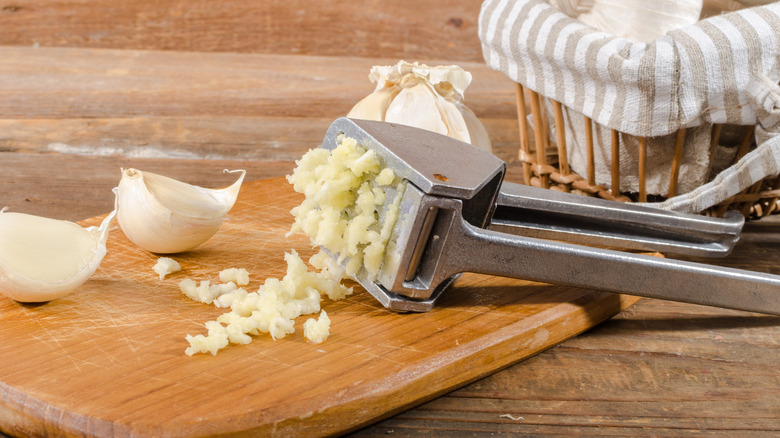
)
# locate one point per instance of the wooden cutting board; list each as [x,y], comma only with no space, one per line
[108,360]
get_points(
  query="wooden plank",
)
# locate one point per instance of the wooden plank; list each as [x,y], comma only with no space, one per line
[179,137]
[199,105]
[124,330]
[73,187]
[85,83]
[200,137]
[365,28]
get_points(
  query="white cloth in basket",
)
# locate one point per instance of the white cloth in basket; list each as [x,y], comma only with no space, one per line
[693,77]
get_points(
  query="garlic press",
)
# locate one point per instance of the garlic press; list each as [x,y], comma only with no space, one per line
[458,215]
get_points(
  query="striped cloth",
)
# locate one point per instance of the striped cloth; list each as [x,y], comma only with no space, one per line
[696,76]
[756,165]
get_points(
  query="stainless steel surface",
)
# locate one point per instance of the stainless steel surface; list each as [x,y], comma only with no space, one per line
[534,212]
[461,247]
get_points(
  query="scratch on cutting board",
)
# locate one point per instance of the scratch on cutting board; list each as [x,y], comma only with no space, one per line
[265,358]
[112,322]
[90,330]
[49,335]
[383,357]
[51,339]
[186,384]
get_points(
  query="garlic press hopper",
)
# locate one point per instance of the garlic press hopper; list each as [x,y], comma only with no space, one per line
[458,215]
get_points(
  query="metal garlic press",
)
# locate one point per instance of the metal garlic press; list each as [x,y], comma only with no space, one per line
[458,215]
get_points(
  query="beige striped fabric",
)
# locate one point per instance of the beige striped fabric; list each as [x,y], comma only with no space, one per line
[697,74]
[692,77]
[761,162]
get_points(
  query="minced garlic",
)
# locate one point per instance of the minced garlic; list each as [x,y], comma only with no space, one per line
[165,266]
[317,330]
[216,340]
[237,276]
[205,292]
[346,210]
[272,309]
[346,192]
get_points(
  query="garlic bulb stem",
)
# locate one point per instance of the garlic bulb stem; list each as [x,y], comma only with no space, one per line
[42,259]
[163,215]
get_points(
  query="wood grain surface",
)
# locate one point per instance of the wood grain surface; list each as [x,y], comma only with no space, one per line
[108,360]
[92,111]
[365,28]
[76,81]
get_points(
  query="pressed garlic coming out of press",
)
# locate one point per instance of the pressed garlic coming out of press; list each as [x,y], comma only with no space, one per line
[42,259]
[166,216]
[425,97]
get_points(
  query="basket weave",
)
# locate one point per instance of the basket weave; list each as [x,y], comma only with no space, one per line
[665,113]
[548,166]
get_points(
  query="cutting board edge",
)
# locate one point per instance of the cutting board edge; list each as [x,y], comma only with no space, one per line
[605,304]
[34,415]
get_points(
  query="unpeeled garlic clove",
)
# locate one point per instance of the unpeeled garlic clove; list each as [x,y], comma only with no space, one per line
[165,216]
[374,106]
[424,97]
[42,259]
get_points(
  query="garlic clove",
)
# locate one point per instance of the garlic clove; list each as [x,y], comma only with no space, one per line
[374,106]
[42,259]
[165,216]
[452,116]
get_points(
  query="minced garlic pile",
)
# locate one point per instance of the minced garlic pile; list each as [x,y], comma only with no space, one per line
[273,308]
[344,190]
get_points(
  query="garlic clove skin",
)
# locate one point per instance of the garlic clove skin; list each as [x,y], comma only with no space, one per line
[416,106]
[165,216]
[42,259]
[477,132]
[374,106]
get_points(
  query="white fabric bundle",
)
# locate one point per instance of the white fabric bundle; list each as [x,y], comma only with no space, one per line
[637,20]
[710,72]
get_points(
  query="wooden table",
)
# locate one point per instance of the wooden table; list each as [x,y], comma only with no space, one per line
[70,117]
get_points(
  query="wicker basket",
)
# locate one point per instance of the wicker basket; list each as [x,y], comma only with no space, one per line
[665,114]
[548,166]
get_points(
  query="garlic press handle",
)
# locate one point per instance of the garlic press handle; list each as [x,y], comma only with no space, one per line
[547,214]
[463,247]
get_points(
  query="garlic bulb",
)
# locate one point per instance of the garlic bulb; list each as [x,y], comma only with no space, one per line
[637,20]
[42,259]
[165,216]
[425,97]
